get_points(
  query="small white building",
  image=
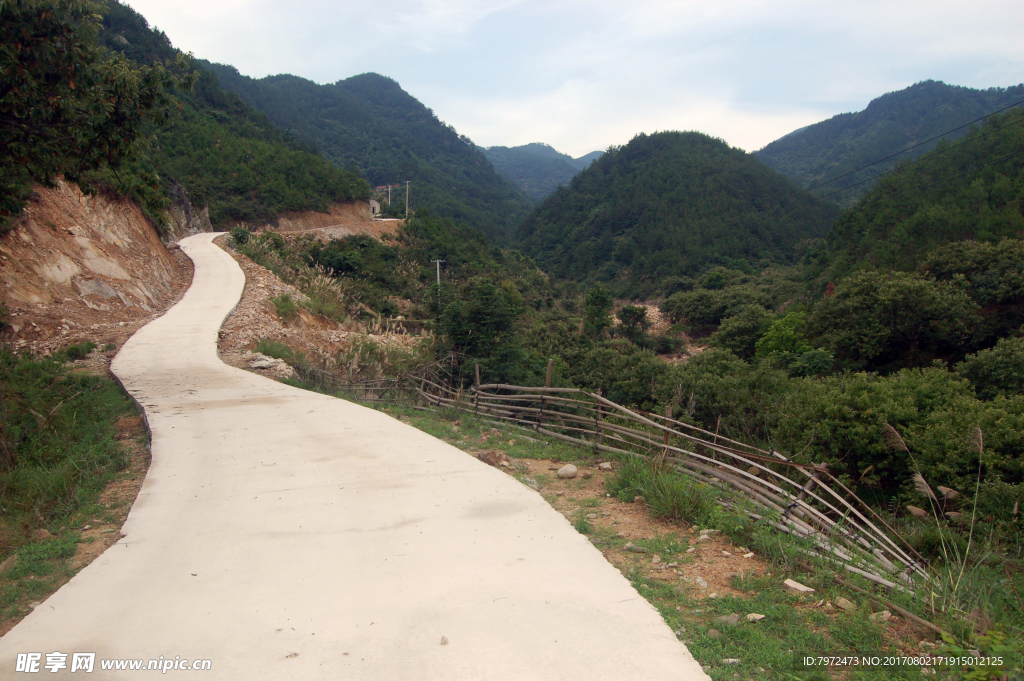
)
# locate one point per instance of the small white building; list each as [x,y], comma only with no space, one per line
[374,207]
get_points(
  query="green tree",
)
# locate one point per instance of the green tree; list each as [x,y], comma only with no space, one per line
[634,322]
[596,317]
[999,371]
[785,335]
[889,321]
[741,332]
[67,106]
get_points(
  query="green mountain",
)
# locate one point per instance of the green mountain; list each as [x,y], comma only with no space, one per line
[968,190]
[670,204]
[836,149]
[369,123]
[537,168]
[225,155]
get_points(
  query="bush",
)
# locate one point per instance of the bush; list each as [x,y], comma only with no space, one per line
[741,332]
[241,236]
[668,495]
[79,351]
[285,306]
[999,371]
[890,321]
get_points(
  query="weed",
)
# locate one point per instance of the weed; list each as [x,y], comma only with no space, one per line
[286,307]
[668,495]
[240,236]
[78,351]
[275,348]
[37,558]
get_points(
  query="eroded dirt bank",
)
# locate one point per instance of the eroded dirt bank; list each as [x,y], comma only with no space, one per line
[77,268]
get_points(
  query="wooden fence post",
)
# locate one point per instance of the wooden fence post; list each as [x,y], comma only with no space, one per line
[544,398]
[476,391]
[815,477]
[597,421]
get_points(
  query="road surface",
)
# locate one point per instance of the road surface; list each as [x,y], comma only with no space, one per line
[283,534]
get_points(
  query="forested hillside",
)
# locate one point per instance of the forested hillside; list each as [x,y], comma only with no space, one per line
[890,124]
[670,204]
[537,168]
[225,154]
[369,123]
[968,190]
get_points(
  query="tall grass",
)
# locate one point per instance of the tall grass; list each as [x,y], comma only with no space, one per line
[58,444]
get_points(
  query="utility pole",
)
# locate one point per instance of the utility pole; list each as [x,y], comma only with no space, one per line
[438,280]
[407,217]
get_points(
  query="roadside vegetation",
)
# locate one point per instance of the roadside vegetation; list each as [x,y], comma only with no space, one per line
[63,441]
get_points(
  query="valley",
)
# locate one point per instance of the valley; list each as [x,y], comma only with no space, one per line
[849,299]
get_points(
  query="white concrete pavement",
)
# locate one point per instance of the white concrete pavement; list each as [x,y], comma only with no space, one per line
[283,534]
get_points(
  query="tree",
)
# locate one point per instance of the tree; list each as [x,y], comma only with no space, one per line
[596,316]
[634,322]
[67,106]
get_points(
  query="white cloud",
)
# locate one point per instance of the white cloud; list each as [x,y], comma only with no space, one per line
[583,74]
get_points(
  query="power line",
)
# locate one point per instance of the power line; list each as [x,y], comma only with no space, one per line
[918,160]
[915,146]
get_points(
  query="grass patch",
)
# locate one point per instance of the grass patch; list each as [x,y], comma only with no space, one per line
[78,350]
[57,439]
[667,494]
[286,307]
[275,348]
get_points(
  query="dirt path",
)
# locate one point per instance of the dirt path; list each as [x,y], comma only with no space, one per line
[284,534]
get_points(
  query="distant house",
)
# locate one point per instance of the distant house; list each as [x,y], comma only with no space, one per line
[374,207]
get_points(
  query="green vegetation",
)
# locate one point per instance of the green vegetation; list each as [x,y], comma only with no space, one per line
[57,440]
[369,123]
[964,194]
[666,205]
[67,106]
[536,168]
[889,125]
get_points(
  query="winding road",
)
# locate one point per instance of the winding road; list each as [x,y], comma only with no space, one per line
[283,534]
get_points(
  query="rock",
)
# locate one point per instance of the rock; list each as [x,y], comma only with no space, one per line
[8,564]
[704,537]
[559,494]
[748,555]
[586,475]
[713,594]
[714,633]
[701,582]
[606,466]
[86,527]
[444,640]
[656,559]
[567,472]
[40,535]
[883,616]
[639,500]
[726,553]
[754,617]
[532,484]
[796,587]
[34,604]
[730,660]
[263,364]
[672,565]
[492,457]
[711,533]
[630,546]
[846,605]
[727,620]
[591,516]
[690,550]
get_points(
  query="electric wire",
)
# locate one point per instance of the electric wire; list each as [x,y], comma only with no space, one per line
[989,115]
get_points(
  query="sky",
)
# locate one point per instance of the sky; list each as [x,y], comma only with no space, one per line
[582,76]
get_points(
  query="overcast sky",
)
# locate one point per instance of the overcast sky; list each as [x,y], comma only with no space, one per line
[585,75]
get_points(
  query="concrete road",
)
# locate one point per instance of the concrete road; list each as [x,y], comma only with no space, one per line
[283,534]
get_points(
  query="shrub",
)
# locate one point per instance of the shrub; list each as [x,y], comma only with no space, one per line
[240,236]
[668,495]
[890,321]
[741,332]
[285,306]
[79,351]
[999,371]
